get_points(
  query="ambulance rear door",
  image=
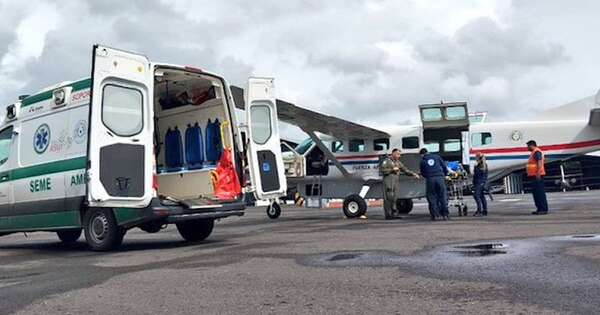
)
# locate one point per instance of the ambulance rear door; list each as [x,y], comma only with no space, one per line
[264,150]
[120,148]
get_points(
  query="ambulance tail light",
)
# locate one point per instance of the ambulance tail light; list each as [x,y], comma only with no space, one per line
[154,178]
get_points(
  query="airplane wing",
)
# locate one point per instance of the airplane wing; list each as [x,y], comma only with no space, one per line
[309,120]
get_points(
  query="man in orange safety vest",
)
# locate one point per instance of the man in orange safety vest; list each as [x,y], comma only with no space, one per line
[536,173]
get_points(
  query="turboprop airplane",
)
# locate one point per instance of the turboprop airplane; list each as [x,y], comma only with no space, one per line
[340,159]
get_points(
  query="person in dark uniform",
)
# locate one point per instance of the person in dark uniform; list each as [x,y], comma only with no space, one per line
[434,170]
[392,169]
[536,172]
[480,175]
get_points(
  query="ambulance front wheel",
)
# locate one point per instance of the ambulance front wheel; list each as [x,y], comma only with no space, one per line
[196,230]
[273,210]
[404,206]
[102,232]
[354,206]
[69,236]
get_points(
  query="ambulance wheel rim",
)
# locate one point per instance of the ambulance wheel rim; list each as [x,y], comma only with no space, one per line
[353,206]
[99,228]
[272,210]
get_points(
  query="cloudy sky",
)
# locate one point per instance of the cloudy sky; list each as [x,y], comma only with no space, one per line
[369,61]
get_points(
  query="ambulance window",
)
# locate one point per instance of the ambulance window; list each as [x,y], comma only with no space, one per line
[5,142]
[432,147]
[452,145]
[337,146]
[481,139]
[456,113]
[410,143]
[432,114]
[260,123]
[122,110]
[356,145]
[381,144]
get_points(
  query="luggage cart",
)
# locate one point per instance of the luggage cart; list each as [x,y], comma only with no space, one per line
[457,181]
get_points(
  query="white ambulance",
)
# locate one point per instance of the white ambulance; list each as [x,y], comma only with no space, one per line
[93,155]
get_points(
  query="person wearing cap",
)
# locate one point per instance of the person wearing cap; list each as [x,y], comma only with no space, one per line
[536,172]
[391,169]
[480,174]
[434,170]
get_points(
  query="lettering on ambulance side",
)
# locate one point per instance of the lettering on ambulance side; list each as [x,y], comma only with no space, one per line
[78,179]
[40,185]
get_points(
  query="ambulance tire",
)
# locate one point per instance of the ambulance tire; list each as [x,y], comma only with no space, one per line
[69,236]
[196,230]
[273,210]
[404,206]
[102,232]
[354,206]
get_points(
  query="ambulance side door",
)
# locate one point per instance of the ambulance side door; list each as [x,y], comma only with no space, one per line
[7,156]
[120,151]
[264,157]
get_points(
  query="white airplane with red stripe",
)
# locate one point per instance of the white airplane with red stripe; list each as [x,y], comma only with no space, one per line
[340,159]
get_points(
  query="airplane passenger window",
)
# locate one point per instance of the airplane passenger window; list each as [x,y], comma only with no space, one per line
[337,146]
[357,145]
[5,141]
[456,113]
[431,114]
[481,138]
[452,145]
[410,143]
[432,147]
[381,144]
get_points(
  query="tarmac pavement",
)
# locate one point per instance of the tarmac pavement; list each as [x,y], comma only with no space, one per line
[315,261]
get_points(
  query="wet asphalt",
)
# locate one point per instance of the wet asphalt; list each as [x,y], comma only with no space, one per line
[313,261]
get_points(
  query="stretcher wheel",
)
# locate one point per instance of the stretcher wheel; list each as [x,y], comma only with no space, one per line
[273,210]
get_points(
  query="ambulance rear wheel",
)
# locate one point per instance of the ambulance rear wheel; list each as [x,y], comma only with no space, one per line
[196,230]
[274,210]
[354,206]
[404,206]
[102,232]
[69,236]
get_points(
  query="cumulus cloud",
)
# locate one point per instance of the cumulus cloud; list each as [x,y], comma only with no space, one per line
[371,61]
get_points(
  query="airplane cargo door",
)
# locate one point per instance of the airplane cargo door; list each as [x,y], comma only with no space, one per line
[120,130]
[264,156]
[443,127]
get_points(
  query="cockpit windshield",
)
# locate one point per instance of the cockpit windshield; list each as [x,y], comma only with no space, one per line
[304,146]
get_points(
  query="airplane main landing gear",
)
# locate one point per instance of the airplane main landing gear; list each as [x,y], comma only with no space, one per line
[404,206]
[354,206]
[273,210]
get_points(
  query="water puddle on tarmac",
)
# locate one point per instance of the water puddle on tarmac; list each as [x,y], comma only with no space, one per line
[480,250]
[340,257]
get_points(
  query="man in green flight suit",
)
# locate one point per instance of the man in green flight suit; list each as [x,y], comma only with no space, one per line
[392,169]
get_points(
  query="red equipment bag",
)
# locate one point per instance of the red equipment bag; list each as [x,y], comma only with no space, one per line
[227,186]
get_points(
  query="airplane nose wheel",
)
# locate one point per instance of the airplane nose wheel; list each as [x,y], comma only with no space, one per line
[354,206]
[273,210]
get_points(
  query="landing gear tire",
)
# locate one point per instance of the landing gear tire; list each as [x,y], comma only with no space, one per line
[404,206]
[196,230]
[354,206]
[273,210]
[69,236]
[101,230]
